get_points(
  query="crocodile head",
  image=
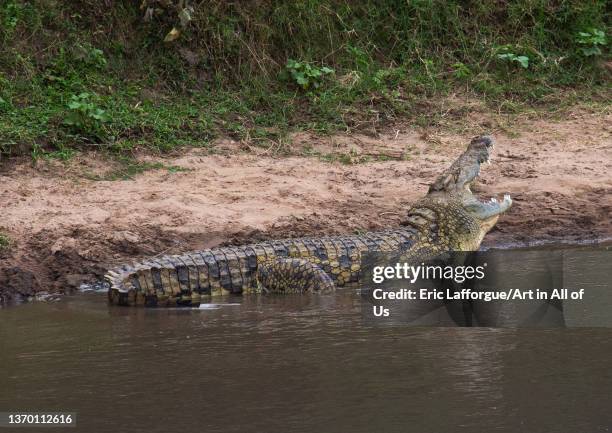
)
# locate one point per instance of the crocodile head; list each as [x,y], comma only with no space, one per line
[462,219]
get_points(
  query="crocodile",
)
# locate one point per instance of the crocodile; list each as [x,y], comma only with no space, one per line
[448,218]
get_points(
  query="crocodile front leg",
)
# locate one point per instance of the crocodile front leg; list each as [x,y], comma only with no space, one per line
[285,275]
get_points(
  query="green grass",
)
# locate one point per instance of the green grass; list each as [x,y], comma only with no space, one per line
[129,167]
[78,75]
[5,242]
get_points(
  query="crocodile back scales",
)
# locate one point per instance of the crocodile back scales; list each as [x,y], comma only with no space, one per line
[189,278]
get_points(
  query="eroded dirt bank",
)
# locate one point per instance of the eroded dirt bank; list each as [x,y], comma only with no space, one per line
[66,229]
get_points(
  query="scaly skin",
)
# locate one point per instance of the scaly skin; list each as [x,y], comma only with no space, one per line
[448,218]
[190,278]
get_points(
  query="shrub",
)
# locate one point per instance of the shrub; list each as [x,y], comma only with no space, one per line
[591,41]
[85,117]
[507,53]
[306,75]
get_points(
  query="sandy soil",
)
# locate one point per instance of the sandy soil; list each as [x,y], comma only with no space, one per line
[67,229]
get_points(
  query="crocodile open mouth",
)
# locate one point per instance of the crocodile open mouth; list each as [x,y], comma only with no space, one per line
[490,145]
[459,176]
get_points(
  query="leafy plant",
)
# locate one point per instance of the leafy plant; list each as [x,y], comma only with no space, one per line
[360,57]
[9,14]
[306,75]
[523,61]
[461,71]
[590,42]
[85,116]
[89,55]
[389,76]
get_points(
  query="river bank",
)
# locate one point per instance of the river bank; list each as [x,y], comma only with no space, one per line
[65,226]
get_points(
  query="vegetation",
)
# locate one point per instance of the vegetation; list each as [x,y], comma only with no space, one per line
[5,242]
[127,74]
[129,167]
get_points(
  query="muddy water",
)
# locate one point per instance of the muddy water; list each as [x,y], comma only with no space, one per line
[296,364]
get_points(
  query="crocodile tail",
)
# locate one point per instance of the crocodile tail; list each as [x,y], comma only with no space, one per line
[167,281]
[121,290]
[134,285]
